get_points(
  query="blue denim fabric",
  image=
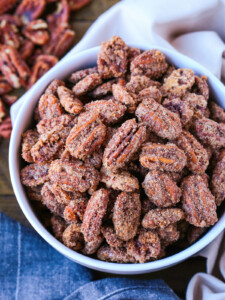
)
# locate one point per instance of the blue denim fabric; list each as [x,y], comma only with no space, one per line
[30,269]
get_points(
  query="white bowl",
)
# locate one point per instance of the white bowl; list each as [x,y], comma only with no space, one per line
[24,119]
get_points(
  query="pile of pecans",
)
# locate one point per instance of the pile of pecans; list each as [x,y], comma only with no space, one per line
[34,34]
[128,156]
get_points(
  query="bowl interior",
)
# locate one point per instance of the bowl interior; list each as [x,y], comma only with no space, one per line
[24,120]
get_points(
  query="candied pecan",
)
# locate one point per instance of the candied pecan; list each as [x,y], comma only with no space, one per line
[94,213]
[49,107]
[194,233]
[36,31]
[6,128]
[197,103]
[48,124]
[145,246]
[197,157]
[42,65]
[111,237]
[81,74]
[74,211]
[49,144]
[67,99]
[198,202]
[110,111]
[126,215]
[121,181]
[53,87]
[34,174]
[29,10]
[49,200]
[159,119]
[87,84]
[200,87]
[58,226]
[163,157]
[60,41]
[77,4]
[120,94]
[26,49]
[92,247]
[9,34]
[218,179]
[9,99]
[86,136]
[103,89]
[210,132]
[118,255]
[162,217]
[72,237]
[217,113]
[179,82]
[5,87]
[30,138]
[151,63]
[138,83]
[161,189]
[74,176]
[66,197]
[169,234]
[132,52]
[112,58]
[13,66]
[150,92]
[60,17]
[95,159]
[34,193]
[182,108]
[124,144]
[6,5]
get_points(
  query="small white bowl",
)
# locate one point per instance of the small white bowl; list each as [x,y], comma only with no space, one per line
[24,119]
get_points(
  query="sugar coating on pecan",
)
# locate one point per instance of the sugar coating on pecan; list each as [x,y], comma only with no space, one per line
[94,213]
[163,157]
[159,119]
[218,179]
[138,83]
[198,202]
[92,246]
[81,74]
[49,107]
[74,176]
[161,189]
[114,254]
[121,94]
[151,63]
[161,218]
[110,111]
[169,234]
[65,197]
[68,100]
[197,157]
[53,87]
[124,144]
[197,103]
[34,192]
[120,181]
[112,58]
[35,174]
[103,89]
[74,211]
[150,92]
[111,238]
[95,159]
[87,84]
[179,82]
[46,125]
[217,113]
[200,86]
[126,215]
[145,246]
[210,132]
[132,52]
[58,226]
[30,138]
[86,136]
[72,237]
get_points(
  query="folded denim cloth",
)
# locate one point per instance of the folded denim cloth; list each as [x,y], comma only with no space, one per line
[30,269]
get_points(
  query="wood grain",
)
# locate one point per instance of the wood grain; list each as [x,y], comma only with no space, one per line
[177,277]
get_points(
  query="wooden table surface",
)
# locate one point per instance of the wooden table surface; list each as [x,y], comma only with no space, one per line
[177,277]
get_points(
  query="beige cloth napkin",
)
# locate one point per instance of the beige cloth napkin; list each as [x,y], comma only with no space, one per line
[197,29]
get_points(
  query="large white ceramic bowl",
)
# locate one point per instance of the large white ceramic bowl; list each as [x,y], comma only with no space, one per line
[24,119]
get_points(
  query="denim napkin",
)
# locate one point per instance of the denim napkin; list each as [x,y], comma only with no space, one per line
[30,269]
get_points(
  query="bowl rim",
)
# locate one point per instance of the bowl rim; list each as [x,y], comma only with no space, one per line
[48,237]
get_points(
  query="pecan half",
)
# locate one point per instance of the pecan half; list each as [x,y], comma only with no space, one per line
[72,237]
[218,179]
[74,211]
[67,99]
[217,113]
[120,94]
[49,107]
[124,144]
[81,74]
[161,189]
[87,84]
[34,174]
[169,234]
[150,92]
[5,87]
[103,89]
[138,83]
[37,32]
[60,17]
[118,254]
[52,88]
[151,63]
[6,128]
[198,202]
[126,215]
[66,197]
[160,120]
[94,213]
[48,124]
[9,34]
[30,138]
[197,157]
[92,247]
[112,58]
[86,136]
[34,192]
[111,237]
[161,218]
[29,10]
[200,87]
[163,157]
[74,176]
[26,49]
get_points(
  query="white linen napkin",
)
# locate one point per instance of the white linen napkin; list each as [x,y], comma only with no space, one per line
[195,28]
